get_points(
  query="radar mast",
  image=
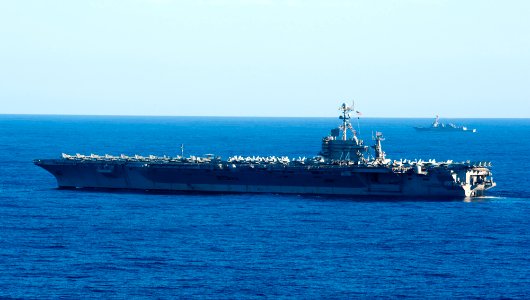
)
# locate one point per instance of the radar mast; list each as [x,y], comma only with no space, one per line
[345,117]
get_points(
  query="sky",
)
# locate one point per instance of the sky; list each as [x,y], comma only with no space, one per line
[394,58]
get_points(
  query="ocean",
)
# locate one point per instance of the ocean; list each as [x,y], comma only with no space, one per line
[98,244]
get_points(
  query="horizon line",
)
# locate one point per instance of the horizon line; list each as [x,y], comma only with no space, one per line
[247,116]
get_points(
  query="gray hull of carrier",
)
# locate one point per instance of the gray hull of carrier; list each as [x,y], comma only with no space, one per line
[344,167]
[462,181]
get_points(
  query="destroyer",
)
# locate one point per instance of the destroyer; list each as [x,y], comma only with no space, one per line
[442,127]
[345,166]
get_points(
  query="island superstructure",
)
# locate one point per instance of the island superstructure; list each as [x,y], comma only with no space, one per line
[345,166]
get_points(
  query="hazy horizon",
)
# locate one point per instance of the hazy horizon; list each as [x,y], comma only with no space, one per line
[285,58]
[244,116]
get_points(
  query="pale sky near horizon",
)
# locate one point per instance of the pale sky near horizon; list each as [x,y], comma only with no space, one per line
[395,58]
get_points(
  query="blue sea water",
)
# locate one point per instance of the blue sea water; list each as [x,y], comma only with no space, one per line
[95,244]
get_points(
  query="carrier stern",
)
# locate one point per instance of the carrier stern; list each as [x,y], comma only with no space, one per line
[479,179]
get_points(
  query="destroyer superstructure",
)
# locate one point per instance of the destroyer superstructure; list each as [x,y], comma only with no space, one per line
[345,166]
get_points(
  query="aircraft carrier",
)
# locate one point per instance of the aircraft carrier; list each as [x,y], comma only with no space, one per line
[345,166]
